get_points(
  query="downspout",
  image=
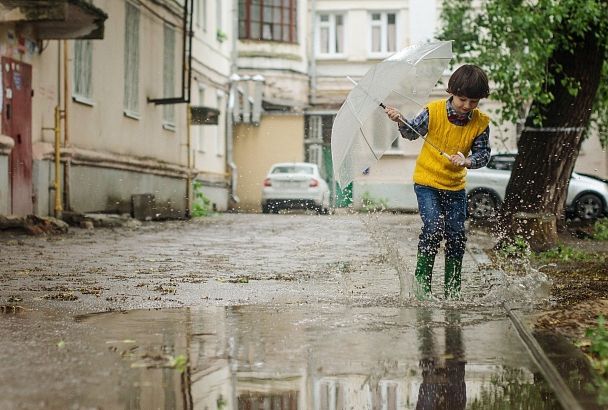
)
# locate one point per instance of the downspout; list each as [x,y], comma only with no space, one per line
[58,208]
[189,161]
[186,60]
[229,113]
[66,138]
[312,62]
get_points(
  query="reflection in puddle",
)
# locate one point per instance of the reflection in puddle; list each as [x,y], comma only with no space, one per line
[253,357]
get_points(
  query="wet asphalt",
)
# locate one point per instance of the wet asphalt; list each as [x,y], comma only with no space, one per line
[251,311]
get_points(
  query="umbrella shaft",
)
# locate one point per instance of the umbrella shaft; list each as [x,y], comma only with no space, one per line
[424,138]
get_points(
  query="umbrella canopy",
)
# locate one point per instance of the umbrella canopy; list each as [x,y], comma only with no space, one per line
[362,132]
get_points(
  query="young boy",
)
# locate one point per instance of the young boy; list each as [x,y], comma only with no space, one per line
[452,126]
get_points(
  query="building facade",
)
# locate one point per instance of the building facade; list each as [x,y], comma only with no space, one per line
[114,107]
[109,127]
[271,91]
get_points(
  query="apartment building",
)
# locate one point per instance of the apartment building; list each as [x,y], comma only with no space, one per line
[271,91]
[109,112]
[28,32]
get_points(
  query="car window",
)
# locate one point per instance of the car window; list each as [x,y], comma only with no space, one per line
[293,169]
[504,163]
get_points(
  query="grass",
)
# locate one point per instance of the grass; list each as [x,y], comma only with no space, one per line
[600,230]
[563,253]
[597,346]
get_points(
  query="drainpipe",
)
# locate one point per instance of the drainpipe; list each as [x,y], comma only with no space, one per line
[233,94]
[189,161]
[58,208]
[66,139]
[312,63]
[57,183]
[231,97]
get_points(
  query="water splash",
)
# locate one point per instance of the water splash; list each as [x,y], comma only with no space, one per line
[394,258]
[512,281]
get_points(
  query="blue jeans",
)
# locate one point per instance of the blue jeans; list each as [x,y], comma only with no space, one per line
[443,214]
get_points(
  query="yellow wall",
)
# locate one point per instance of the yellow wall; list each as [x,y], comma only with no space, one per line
[279,138]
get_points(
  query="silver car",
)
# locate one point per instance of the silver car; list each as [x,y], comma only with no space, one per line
[587,196]
[294,185]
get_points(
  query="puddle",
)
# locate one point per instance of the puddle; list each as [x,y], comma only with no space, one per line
[334,357]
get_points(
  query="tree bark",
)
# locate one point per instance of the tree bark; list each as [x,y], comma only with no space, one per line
[547,153]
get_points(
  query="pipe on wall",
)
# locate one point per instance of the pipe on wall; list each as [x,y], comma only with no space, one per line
[58,207]
[66,138]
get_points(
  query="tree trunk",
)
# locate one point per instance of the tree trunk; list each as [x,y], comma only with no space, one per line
[547,153]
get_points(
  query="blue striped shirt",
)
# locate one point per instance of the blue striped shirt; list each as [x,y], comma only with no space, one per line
[480,150]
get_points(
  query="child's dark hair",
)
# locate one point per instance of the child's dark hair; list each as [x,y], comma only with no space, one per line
[469,81]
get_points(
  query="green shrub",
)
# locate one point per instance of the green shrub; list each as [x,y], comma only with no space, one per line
[564,254]
[518,248]
[598,349]
[201,206]
[600,230]
[371,204]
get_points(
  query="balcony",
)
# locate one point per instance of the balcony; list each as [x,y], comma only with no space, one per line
[54,19]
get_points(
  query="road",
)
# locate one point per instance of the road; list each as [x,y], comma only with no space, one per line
[245,310]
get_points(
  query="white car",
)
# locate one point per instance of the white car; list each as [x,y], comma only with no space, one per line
[587,196]
[292,185]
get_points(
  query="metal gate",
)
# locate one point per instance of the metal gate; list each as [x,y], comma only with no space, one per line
[16,102]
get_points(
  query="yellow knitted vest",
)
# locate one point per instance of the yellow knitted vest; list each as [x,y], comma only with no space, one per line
[433,169]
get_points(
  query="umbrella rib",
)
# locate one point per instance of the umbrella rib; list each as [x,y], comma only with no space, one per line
[350,105]
[427,53]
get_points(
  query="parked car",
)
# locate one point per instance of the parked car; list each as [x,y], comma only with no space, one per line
[294,185]
[587,196]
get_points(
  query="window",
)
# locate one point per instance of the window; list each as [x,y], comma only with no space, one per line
[131,74]
[330,36]
[218,15]
[273,20]
[383,33]
[200,13]
[83,64]
[201,129]
[169,74]
[219,138]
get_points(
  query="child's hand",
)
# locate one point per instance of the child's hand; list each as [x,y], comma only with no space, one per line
[393,114]
[459,160]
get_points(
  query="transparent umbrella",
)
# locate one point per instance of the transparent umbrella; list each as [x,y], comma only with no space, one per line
[362,132]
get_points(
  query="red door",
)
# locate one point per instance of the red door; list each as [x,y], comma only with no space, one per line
[17,124]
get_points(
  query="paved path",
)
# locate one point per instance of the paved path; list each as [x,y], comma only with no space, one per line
[297,309]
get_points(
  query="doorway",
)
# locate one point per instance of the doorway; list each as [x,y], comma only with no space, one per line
[16,102]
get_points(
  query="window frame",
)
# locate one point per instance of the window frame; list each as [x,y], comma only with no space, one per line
[83,72]
[201,129]
[131,103]
[169,49]
[384,25]
[245,20]
[332,27]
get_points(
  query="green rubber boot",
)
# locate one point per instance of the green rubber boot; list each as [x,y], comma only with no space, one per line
[423,275]
[453,269]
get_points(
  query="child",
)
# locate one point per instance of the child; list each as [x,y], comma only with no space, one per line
[453,126]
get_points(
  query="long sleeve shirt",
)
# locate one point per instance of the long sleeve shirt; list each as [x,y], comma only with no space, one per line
[480,150]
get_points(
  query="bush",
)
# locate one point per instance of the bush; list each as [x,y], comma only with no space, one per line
[600,230]
[598,352]
[371,204]
[201,206]
[565,254]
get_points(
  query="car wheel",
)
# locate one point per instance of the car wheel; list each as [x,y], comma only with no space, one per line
[482,205]
[588,206]
[265,209]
